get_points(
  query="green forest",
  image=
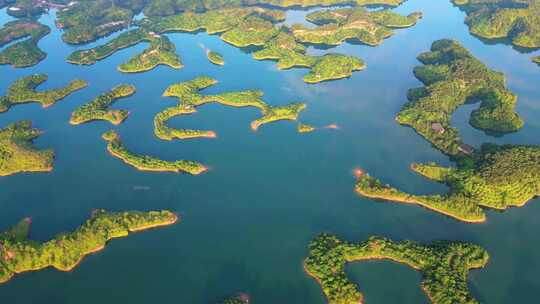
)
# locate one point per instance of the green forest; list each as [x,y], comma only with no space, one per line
[19,254]
[444,266]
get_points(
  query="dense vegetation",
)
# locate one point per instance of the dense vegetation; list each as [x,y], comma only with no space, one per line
[495,177]
[515,20]
[88,20]
[357,23]
[189,97]
[444,266]
[333,66]
[124,40]
[23,8]
[536,60]
[215,58]
[98,109]
[148,163]
[256,27]
[24,91]
[23,53]
[18,254]
[160,52]
[289,53]
[453,77]
[17,153]
[271,114]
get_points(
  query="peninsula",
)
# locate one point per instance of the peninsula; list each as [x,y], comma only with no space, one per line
[517,21]
[496,177]
[23,53]
[17,153]
[24,91]
[536,60]
[190,97]
[148,163]
[18,254]
[98,109]
[453,77]
[444,266]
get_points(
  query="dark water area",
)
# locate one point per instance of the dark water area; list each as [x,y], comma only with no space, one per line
[247,222]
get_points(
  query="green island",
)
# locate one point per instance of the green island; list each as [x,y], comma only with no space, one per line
[304,128]
[18,254]
[453,77]
[189,97]
[496,177]
[24,91]
[148,163]
[536,60]
[256,27]
[444,266]
[86,21]
[17,153]
[98,109]
[357,24]
[289,53]
[215,58]
[23,53]
[160,52]
[517,21]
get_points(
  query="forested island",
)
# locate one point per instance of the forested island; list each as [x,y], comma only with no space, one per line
[239,299]
[304,128]
[19,254]
[444,266]
[148,163]
[496,177]
[23,53]
[517,21]
[453,77]
[536,60]
[357,24]
[256,26]
[189,96]
[160,52]
[98,109]
[24,91]
[215,58]
[17,153]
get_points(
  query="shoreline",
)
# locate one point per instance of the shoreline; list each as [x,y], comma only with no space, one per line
[416,202]
[177,170]
[94,250]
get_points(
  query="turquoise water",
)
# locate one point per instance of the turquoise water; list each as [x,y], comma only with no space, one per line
[247,222]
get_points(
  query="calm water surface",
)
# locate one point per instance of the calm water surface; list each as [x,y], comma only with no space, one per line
[247,222]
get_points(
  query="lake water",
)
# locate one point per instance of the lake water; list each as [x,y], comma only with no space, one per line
[247,222]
